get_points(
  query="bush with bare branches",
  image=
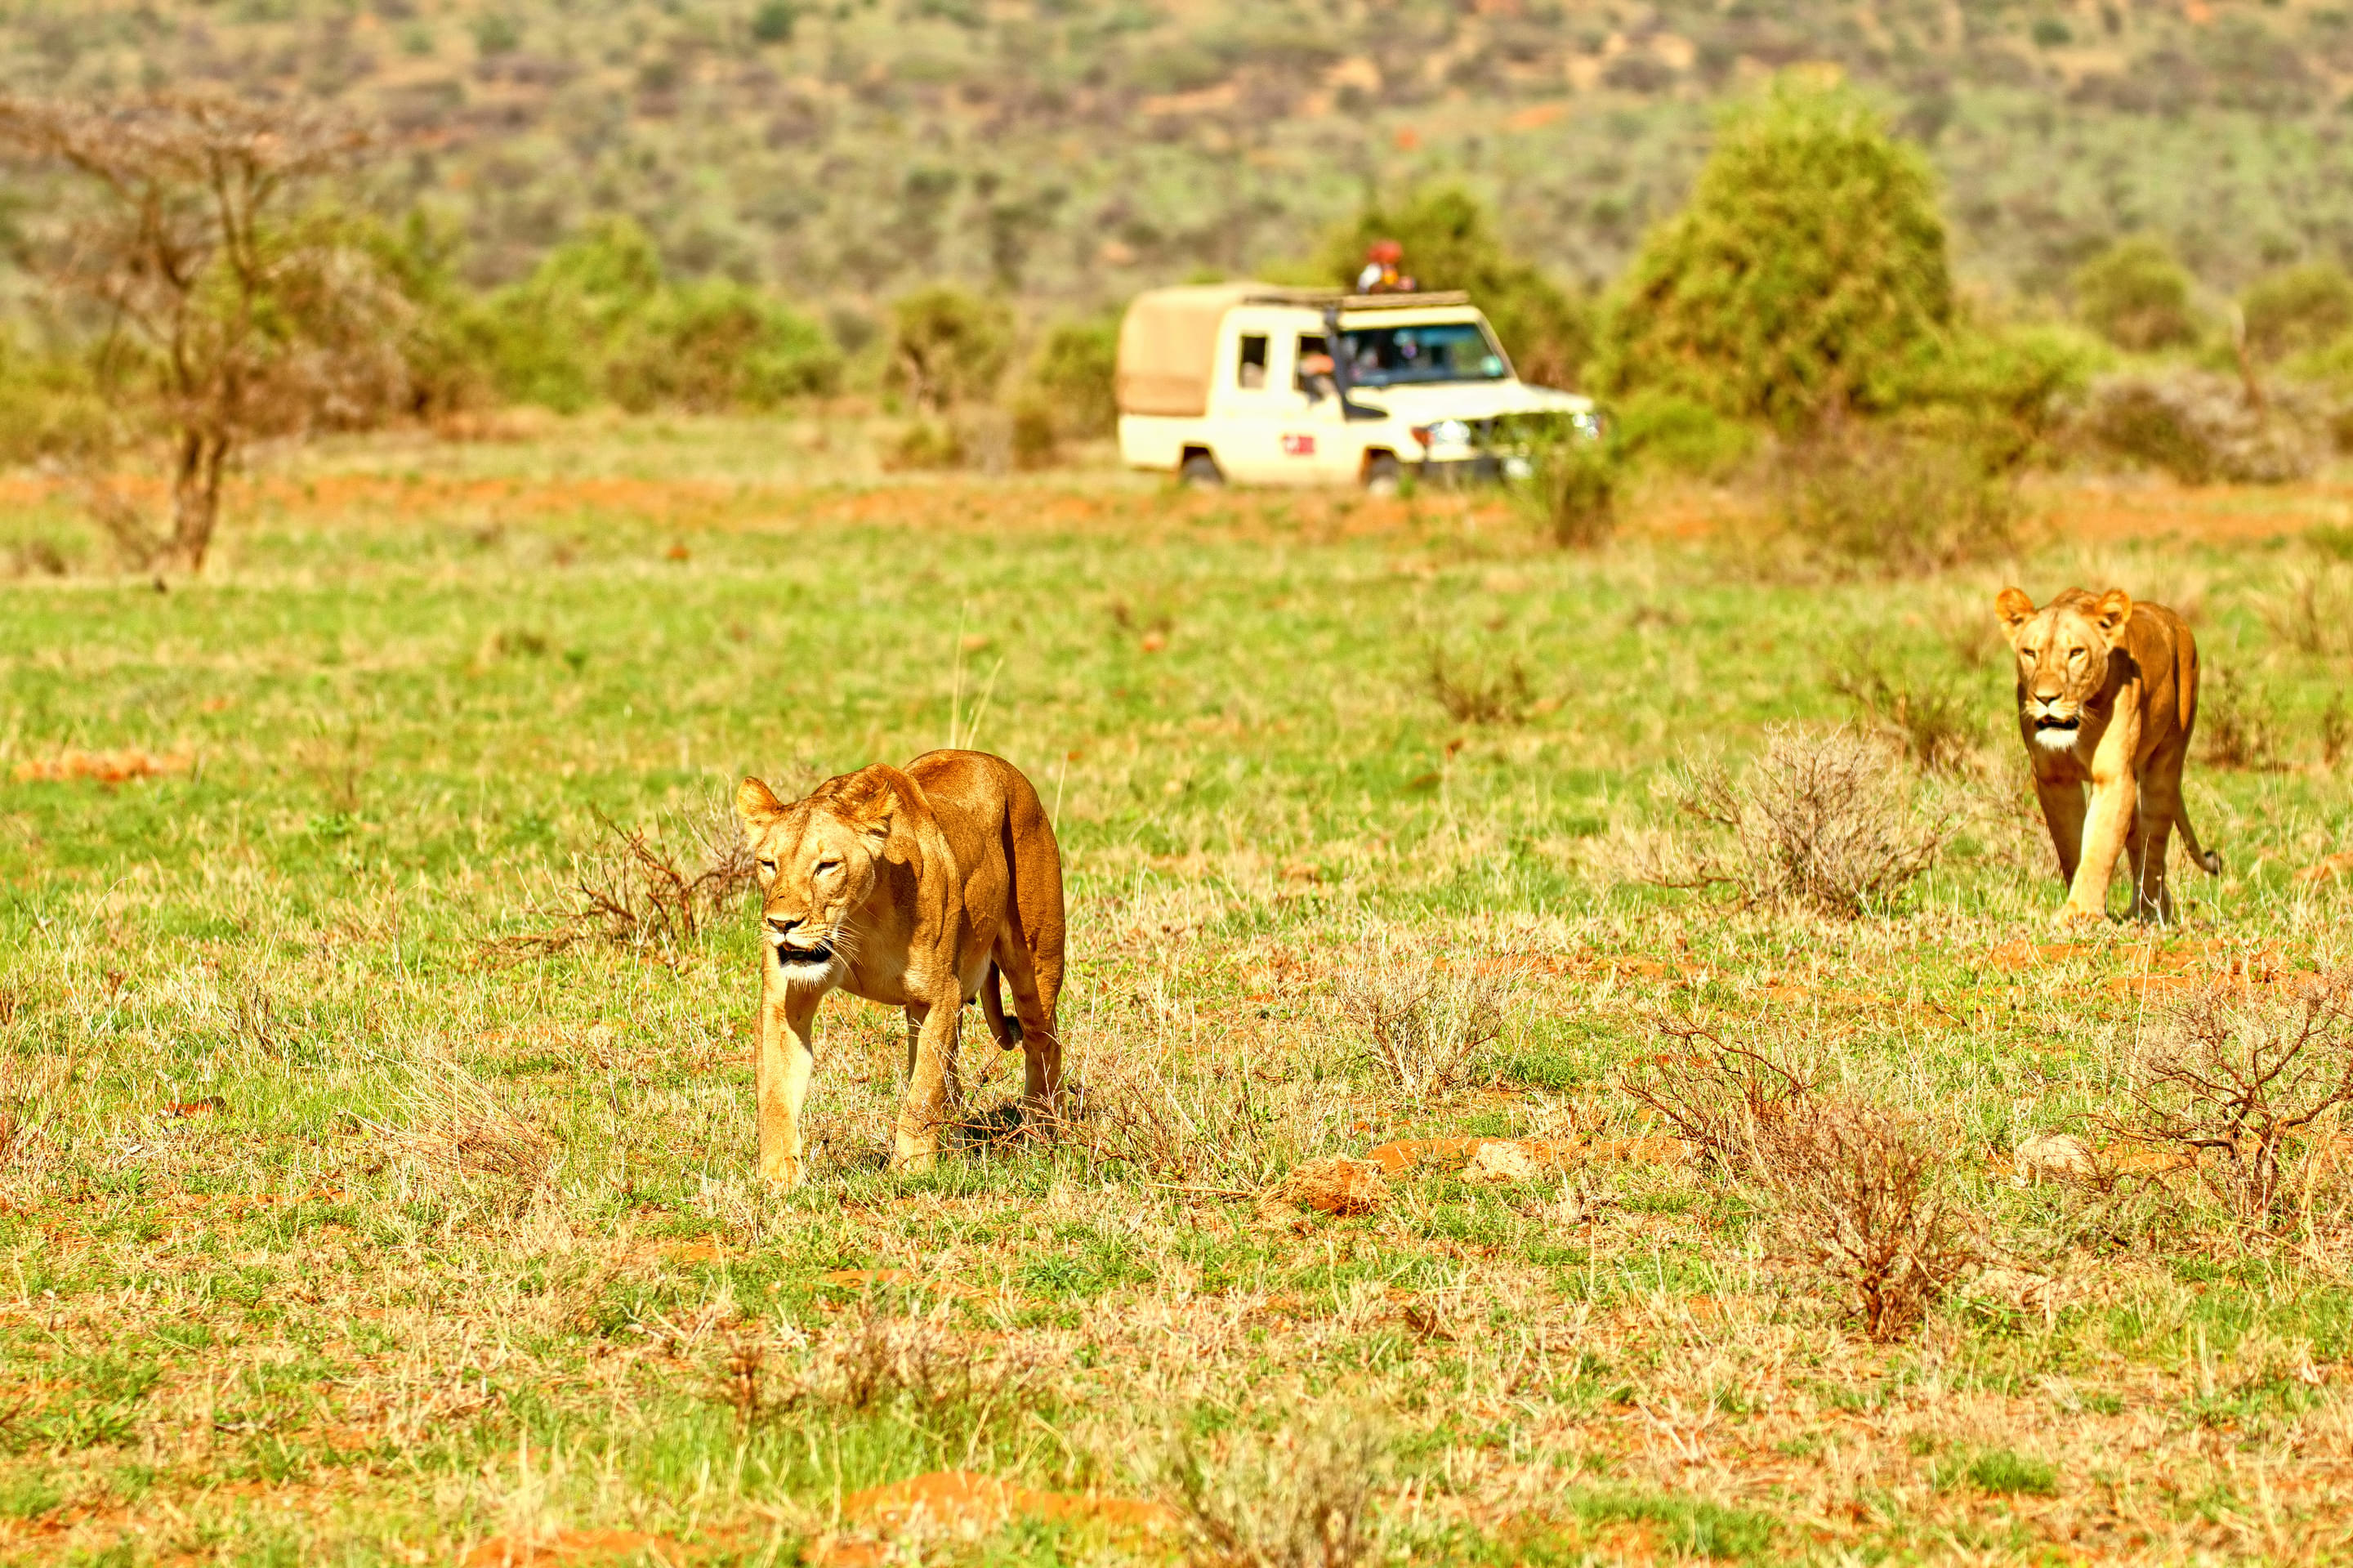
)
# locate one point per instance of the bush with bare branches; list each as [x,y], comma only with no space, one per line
[870,1357]
[2236,1078]
[1305,1501]
[231,318]
[635,890]
[1822,820]
[1858,1195]
[1426,1027]
[456,1125]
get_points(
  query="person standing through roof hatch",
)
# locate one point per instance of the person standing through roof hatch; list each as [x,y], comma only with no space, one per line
[1384,269]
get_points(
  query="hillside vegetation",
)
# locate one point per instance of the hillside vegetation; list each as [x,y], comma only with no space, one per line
[1071,151]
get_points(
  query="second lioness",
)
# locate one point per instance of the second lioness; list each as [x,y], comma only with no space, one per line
[915,888]
[2108,695]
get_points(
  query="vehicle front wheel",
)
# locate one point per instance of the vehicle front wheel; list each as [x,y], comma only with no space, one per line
[1382,474]
[1200,472]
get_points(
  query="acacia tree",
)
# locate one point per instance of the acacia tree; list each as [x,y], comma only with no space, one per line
[228,313]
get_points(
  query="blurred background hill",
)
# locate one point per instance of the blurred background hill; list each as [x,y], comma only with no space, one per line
[1068,152]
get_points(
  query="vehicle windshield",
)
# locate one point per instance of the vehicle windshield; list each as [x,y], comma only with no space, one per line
[1446,350]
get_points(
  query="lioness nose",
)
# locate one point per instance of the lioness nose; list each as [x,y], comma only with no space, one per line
[781,927]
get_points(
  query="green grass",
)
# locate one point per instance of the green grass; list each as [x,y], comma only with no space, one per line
[333,1230]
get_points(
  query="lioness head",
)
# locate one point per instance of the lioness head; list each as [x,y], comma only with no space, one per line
[817,859]
[2062,656]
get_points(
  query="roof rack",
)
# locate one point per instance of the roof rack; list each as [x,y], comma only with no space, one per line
[1347,301]
[1404,301]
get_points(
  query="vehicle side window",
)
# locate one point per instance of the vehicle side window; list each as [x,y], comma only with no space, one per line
[1252,372]
[1313,375]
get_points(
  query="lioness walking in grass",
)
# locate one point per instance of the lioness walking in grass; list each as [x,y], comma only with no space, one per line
[2107,694]
[916,889]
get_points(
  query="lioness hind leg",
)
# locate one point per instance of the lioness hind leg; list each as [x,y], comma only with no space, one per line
[2152,898]
[1041,1047]
[1005,1032]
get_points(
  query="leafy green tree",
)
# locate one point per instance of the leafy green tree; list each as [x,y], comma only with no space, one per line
[948,347]
[1076,372]
[597,321]
[2297,311]
[1808,268]
[1450,243]
[2137,296]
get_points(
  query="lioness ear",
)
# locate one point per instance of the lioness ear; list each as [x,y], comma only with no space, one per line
[757,804]
[874,816]
[2013,608]
[2113,610]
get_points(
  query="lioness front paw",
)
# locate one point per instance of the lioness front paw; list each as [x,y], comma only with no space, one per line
[785,1173]
[2070,915]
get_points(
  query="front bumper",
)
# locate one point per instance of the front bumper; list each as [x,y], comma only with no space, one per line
[1475,467]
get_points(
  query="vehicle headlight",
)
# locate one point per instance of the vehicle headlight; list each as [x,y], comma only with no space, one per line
[1449,432]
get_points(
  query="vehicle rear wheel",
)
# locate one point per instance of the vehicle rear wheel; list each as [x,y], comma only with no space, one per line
[1382,474]
[1200,472]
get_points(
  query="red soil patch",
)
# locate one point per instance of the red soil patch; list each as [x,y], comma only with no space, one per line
[1340,1187]
[576,1546]
[106,767]
[2034,954]
[963,1503]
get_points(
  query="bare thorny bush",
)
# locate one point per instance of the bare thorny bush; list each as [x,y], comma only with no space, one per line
[1233,1126]
[1471,696]
[1858,1195]
[1424,1025]
[1822,820]
[1302,1500]
[869,1358]
[1936,726]
[455,1126]
[2239,1078]
[636,890]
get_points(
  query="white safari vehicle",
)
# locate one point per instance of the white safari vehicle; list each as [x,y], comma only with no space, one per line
[1240,381]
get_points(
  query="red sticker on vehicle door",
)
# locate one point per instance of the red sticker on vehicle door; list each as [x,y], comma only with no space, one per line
[1299,446]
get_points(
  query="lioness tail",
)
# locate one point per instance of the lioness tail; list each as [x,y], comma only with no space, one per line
[2207,860]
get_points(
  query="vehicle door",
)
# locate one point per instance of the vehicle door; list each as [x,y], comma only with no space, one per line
[1312,435]
[1251,403]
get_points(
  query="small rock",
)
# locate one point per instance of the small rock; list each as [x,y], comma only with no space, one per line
[2052,1154]
[1503,1163]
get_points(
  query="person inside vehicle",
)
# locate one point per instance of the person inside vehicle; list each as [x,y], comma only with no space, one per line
[1383,270]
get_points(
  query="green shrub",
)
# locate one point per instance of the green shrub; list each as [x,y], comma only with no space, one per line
[924,445]
[1680,435]
[1808,268]
[1449,244]
[597,321]
[1076,372]
[2298,311]
[2137,296]
[1999,390]
[51,408]
[1571,488]
[772,23]
[446,343]
[948,346]
[715,346]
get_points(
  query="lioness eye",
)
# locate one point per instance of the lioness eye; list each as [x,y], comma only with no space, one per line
[767,865]
[827,864]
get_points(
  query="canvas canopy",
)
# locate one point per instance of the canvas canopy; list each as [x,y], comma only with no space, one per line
[1169,336]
